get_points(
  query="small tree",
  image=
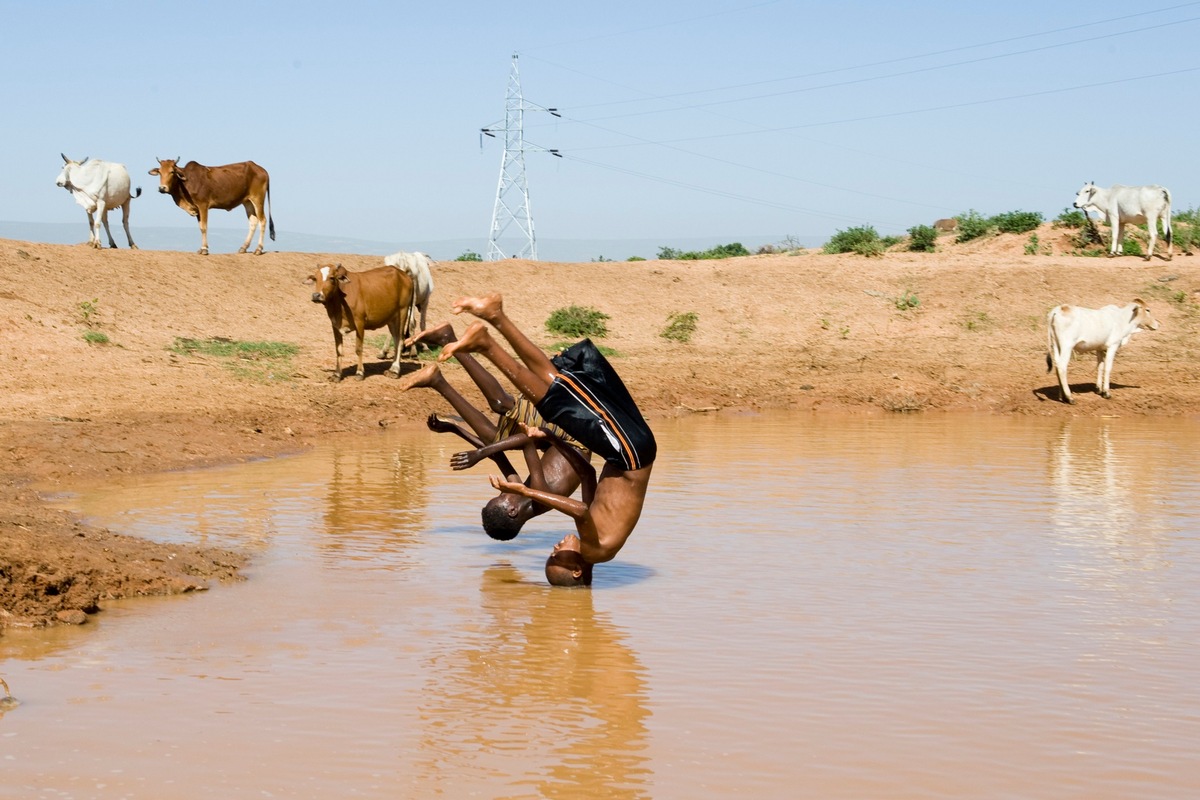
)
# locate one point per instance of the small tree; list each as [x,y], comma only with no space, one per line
[863,240]
[922,238]
[972,225]
[469,255]
[1017,221]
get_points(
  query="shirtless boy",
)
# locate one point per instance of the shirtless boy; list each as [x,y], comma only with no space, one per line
[580,392]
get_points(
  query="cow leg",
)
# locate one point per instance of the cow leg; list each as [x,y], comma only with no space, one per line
[1102,364]
[359,373]
[262,228]
[1153,226]
[397,336]
[1061,360]
[125,224]
[1166,220]
[103,210]
[93,231]
[252,221]
[202,213]
[337,350]
[1118,239]
[1107,365]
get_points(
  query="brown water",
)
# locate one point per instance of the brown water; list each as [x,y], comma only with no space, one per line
[903,607]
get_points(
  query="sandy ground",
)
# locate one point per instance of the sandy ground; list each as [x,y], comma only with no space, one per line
[813,332]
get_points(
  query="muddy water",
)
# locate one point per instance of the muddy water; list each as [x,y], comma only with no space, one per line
[810,607]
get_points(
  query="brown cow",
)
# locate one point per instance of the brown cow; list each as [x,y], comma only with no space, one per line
[362,301]
[949,225]
[196,188]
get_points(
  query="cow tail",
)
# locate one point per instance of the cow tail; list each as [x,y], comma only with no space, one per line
[1050,342]
[138,193]
[1167,217]
[270,219]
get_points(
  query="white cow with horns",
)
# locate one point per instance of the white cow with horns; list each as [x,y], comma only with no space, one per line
[1141,205]
[1103,331]
[98,186]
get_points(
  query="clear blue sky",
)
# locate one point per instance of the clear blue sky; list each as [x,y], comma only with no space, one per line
[680,120]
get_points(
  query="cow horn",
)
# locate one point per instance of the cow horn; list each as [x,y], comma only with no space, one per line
[65,159]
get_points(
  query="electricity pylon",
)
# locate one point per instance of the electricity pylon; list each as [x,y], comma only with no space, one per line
[512,191]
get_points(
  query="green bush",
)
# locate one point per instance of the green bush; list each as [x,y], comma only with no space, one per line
[1017,221]
[1070,218]
[577,322]
[469,255]
[680,327]
[1131,247]
[720,251]
[863,240]
[922,238]
[972,225]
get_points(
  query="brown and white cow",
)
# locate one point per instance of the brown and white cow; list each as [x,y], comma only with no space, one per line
[362,301]
[196,189]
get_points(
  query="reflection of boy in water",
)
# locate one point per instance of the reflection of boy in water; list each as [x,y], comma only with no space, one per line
[580,392]
[503,515]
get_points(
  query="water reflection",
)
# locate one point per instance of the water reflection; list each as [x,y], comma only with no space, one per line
[369,492]
[543,687]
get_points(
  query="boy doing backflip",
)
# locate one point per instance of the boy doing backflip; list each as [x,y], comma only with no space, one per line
[581,393]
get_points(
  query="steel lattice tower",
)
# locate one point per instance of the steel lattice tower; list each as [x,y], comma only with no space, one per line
[512,190]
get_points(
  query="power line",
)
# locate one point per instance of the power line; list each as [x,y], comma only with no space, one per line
[885,62]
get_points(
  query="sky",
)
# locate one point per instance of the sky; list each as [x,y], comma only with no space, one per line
[722,120]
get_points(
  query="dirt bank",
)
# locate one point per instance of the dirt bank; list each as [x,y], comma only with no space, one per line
[958,330]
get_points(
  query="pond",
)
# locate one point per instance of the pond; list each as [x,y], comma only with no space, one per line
[811,606]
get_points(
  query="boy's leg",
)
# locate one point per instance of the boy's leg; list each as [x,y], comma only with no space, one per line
[478,340]
[491,309]
[431,377]
[498,400]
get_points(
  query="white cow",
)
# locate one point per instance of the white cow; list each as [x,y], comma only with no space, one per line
[1086,330]
[98,186]
[1141,205]
[417,265]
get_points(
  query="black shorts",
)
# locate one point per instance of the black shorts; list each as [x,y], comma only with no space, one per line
[589,401]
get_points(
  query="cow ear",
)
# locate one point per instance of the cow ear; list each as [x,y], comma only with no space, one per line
[311,279]
[154,171]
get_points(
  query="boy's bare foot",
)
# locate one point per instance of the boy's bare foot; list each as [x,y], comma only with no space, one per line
[475,340]
[441,336]
[489,307]
[424,377]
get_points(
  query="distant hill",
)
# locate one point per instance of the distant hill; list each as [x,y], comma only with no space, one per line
[228,240]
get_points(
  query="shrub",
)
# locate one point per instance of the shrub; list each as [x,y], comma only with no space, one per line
[1131,247]
[1017,221]
[972,225]
[790,245]
[635,258]
[577,322]
[95,337]
[1070,218]
[908,300]
[922,238]
[1031,247]
[680,327]
[720,251]
[469,255]
[862,240]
